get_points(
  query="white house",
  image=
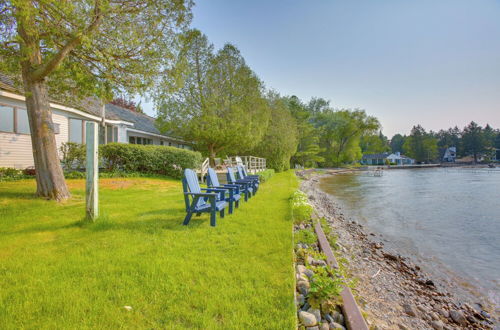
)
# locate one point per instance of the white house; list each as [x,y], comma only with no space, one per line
[383,158]
[118,125]
[398,159]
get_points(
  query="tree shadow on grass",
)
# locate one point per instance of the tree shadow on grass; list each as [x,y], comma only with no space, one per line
[151,222]
[18,195]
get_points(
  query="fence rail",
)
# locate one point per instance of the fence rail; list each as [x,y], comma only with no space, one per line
[251,163]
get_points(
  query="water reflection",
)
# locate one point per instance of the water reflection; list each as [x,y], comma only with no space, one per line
[447,217]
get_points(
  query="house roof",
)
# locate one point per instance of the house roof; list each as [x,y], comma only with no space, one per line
[141,121]
[376,156]
[89,105]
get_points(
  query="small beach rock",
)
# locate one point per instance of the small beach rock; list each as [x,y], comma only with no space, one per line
[303,287]
[309,273]
[324,326]
[307,319]
[301,269]
[458,317]
[338,317]
[316,313]
[408,309]
[437,325]
[445,313]
[336,326]
[402,326]
[485,314]
[313,328]
[301,299]
[434,316]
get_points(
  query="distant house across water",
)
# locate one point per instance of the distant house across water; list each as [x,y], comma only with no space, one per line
[448,155]
[386,157]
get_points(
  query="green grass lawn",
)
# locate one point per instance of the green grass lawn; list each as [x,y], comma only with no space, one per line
[59,272]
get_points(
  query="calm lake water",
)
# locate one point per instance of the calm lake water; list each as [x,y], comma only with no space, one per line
[448,219]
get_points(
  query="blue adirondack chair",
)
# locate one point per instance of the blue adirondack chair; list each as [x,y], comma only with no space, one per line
[212,200]
[243,176]
[245,186]
[246,173]
[234,195]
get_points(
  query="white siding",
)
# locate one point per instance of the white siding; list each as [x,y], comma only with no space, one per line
[15,149]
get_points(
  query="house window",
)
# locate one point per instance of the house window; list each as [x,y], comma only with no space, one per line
[111,134]
[22,123]
[75,130]
[6,119]
[161,142]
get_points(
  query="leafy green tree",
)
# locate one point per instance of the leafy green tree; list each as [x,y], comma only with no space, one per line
[374,143]
[281,138]
[81,48]
[397,143]
[308,148]
[473,140]
[449,138]
[420,145]
[340,134]
[214,100]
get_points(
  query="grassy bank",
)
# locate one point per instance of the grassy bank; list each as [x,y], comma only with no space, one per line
[57,272]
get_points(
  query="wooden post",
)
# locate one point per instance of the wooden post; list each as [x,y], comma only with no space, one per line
[92,171]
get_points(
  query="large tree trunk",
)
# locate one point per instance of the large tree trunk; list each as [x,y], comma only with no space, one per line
[211,156]
[49,173]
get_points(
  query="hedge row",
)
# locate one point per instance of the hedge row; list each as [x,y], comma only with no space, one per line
[120,157]
[265,175]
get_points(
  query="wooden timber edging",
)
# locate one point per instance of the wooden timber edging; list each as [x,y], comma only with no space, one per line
[352,313]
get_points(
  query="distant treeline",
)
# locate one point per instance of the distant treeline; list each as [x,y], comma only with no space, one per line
[213,98]
[473,140]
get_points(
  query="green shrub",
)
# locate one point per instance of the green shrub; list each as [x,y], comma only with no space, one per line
[326,284]
[150,159]
[306,236]
[73,155]
[74,175]
[265,175]
[301,209]
[11,174]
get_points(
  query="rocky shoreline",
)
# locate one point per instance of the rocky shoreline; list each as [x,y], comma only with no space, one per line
[392,291]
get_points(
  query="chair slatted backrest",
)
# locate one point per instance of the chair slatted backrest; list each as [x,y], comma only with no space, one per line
[230,173]
[244,169]
[191,184]
[212,178]
[239,168]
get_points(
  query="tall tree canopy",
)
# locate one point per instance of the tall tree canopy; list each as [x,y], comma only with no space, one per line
[340,134]
[308,148]
[82,48]
[374,143]
[281,138]
[473,140]
[214,100]
[397,143]
[420,145]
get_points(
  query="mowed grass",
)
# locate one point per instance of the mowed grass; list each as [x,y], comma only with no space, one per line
[57,271]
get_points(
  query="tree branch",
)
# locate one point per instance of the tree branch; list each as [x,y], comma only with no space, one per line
[45,69]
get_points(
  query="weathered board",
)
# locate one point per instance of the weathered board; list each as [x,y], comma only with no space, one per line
[92,171]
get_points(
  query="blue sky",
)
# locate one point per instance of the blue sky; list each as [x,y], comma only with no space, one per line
[434,63]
